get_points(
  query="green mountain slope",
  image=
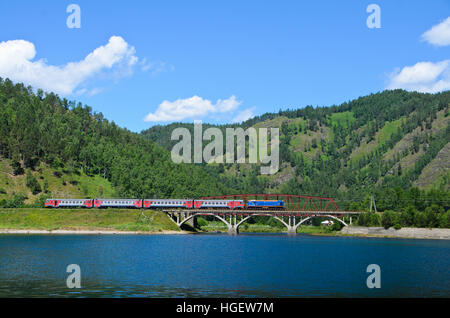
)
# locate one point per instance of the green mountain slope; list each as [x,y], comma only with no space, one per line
[384,144]
[384,140]
[59,183]
[52,147]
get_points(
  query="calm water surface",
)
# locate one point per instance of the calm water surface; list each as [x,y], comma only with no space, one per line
[247,265]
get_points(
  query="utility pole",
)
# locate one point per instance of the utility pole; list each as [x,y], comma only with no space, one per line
[372,202]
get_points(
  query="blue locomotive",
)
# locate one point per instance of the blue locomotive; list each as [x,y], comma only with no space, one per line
[265,204]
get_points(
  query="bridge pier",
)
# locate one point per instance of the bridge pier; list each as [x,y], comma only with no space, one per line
[191,222]
[232,230]
[292,231]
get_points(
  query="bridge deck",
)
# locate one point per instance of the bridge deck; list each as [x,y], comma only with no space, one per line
[255,211]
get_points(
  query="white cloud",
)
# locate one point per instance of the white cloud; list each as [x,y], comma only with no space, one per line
[243,115]
[427,77]
[155,67]
[194,107]
[16,64]
[439,34]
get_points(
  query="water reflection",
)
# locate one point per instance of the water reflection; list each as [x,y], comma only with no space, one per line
[271,265]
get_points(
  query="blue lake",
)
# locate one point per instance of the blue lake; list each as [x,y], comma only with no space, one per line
[216,265]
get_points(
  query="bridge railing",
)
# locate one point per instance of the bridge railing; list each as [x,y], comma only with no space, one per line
[258,211]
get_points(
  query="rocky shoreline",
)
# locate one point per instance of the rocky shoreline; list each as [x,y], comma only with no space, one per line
[419,233]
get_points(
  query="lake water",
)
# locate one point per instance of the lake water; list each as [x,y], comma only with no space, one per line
[216,265]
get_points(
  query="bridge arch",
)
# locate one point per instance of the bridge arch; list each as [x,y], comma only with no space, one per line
[198,214]
[312,216]
[260,214]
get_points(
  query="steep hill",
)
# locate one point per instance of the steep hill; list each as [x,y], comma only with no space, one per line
[384,144]
[52,147]
[384,140]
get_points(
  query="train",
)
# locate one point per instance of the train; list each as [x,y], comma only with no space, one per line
[165,204]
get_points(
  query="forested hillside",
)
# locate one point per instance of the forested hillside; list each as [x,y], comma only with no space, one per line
[50,146]
[393,145]
[390,144]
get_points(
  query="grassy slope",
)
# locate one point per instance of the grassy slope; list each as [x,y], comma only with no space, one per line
[381,137]
[436,170]
[84,186]
[83,219]
[301,140]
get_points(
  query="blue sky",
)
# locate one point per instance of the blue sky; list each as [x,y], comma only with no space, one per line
[222,61]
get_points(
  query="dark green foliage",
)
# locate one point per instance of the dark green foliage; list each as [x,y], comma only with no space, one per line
[369,219]
[33,184]
[69,136]
[332,168]
[17,168]
[17,201]
[201,221]
[46,189]
[337,226]
[388,219]
[39,201]
[397,226]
